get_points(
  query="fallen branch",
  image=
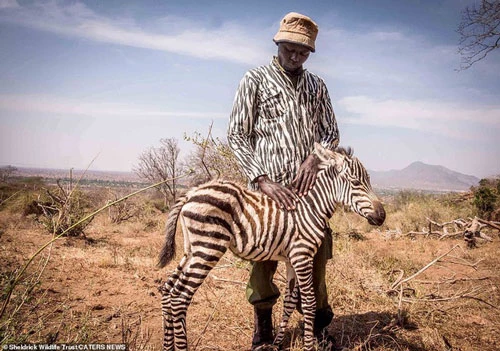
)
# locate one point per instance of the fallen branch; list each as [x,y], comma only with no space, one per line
[465,263]
[399,282]
[444,236]
[467,294]
[450,280]
[473,231]
[406,294]
[495,225]
[470,229]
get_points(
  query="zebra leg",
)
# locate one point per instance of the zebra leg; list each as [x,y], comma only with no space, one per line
[289,303]
[166,290]
[303,269]
[190,279]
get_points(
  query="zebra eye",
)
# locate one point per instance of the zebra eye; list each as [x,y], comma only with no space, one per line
[356,182]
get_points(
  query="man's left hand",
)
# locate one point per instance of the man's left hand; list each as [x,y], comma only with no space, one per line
[306,176]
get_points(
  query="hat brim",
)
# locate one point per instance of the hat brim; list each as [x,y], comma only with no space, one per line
[294,38]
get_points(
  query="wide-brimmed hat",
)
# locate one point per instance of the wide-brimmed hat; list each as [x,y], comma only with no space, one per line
[298,29]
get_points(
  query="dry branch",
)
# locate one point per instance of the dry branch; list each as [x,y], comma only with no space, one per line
[467,264]
[468,293]
[409,295]
[470,229]
[495,225]
[473,231]
[451,280]
[401,281]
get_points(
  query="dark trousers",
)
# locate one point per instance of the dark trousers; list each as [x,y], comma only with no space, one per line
[263,293]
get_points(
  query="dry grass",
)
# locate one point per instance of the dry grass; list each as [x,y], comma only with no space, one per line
[104,288]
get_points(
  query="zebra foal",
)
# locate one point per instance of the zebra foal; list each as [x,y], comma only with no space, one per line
[220,215]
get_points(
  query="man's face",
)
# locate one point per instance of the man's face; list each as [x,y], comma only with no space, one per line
[292,56]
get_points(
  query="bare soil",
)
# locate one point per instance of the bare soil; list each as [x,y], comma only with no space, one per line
[104,289]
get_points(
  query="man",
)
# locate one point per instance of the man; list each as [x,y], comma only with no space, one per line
[279,111]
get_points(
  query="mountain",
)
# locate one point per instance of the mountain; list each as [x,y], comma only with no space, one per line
[422,176]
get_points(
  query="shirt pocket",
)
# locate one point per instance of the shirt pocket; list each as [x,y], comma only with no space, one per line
[272,104]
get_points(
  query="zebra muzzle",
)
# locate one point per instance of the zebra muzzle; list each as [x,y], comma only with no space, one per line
[377,217]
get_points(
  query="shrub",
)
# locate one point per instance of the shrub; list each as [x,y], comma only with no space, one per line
[487,197]
[63,210]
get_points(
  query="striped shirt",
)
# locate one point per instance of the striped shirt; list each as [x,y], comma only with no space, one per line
[273,124]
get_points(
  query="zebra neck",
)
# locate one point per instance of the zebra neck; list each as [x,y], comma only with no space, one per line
[321,198]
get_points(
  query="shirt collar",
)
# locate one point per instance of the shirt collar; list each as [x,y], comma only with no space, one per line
[277,65]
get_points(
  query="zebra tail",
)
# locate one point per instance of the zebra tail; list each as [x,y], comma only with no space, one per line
[168,251]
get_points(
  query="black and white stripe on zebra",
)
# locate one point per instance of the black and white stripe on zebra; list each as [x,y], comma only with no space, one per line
[220,215]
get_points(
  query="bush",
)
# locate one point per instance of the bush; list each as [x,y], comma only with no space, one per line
[63,209]
[487,197]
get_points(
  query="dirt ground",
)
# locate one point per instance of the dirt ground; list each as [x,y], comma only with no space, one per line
[104,289]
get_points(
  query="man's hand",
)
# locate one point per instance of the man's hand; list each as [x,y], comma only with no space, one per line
[282,195]
[306,176]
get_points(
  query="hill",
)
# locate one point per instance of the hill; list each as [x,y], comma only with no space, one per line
[419,175]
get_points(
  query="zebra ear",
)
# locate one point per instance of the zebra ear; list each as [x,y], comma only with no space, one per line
[338,161]
[332,157]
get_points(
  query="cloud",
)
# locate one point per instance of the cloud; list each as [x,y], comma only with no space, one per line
[8,4]
[388,58]
[436,117]
[59,105]
[193,39]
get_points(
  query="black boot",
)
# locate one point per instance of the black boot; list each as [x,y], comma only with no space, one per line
[263,329]
[322,320]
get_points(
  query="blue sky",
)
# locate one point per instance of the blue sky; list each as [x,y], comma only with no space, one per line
[80,79]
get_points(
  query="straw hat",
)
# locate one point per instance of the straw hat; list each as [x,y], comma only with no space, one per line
[298,29]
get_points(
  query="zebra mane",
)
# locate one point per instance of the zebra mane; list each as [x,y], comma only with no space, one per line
[346,151]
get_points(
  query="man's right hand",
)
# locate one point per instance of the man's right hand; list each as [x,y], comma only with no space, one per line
[285,197]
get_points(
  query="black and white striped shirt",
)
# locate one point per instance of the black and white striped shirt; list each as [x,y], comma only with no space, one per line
[273,125]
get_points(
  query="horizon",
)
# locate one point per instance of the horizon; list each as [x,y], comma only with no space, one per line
[91,82]
[81,170]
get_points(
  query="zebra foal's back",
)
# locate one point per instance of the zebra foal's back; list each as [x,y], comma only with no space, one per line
[220,215]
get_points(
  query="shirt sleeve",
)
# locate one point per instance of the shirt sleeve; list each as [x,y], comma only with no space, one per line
[241,123]
[328,130]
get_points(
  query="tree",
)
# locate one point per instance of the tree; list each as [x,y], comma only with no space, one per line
[486,196]
[212,158]
[160,164]
[485,199]
[479,31]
